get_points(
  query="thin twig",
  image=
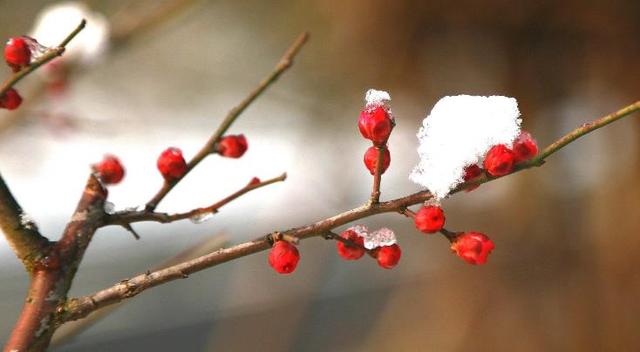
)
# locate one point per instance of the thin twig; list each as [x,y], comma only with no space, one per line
[68,331]
[377,176]
[80,307]
[285,62]
[49,55]
[554,147]
[330,235]
[126,218]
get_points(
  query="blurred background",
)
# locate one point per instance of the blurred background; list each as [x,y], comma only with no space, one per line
[563,276]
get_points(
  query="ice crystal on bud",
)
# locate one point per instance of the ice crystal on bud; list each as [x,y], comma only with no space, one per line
[379,238]
[457,133]
[377,97]
[201,217]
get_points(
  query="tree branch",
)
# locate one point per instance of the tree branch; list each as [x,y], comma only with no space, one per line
[49,55]
[554,147]
[129,217]
[377,176]
[583,130]
[53,275]
[69,330]
[22,234]
[78,308]
[285,63]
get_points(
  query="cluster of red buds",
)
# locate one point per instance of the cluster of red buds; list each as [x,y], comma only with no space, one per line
[500,160]
[375,124]
[353,248]
[17,54]
[171,162]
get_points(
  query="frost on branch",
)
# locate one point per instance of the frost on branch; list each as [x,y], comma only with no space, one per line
[457,133]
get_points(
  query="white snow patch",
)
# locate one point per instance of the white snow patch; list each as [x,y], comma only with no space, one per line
[458,132]
[377,97]
[360,230]
[379,238]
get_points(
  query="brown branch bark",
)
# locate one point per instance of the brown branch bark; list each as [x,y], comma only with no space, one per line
[78,308]
[54,274]
[285,63]
[67,331]
[377,176]
[21,234]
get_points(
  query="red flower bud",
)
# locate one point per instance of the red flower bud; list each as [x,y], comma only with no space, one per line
[11,100]
[375,124]
[472,172]
[499,160]
[371,160]
[388,256]
[429,219]
[350,252]
[17,53]
[254,181]
[525,147]
[284,257]
[233,146]
[171,164]
[473,247]
[110,170]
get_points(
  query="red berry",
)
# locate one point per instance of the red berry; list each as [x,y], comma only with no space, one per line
[473,247]
[525,147]
[472,172]
[499,160]
[233,146]
[110,170]
[388,256]
[17,53]
[11,100]
[375,124]
[284,257]
[350,252]
[171,164]
[371,159]
[429,219]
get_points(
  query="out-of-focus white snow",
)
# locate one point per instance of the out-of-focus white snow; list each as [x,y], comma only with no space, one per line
[56,21]
[458,132]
